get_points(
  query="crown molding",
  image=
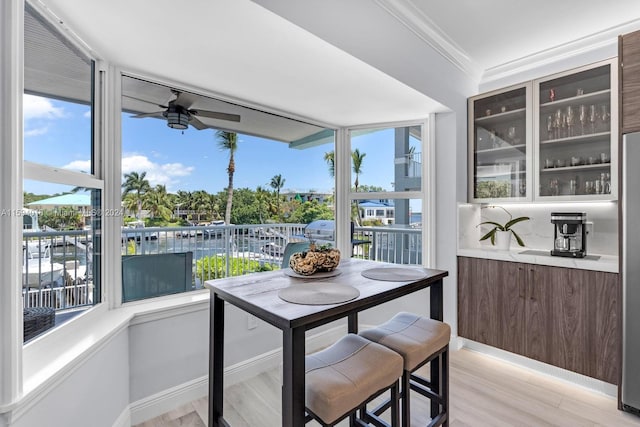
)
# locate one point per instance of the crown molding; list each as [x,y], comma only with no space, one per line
[607,38]
[422,26]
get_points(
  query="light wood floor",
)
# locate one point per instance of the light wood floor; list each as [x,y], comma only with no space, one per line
[484,392]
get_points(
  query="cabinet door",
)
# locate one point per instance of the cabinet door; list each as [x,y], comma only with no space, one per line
[478,293]
[629,54]
[576,134]
[569,318]
[604,308]
[537,313]
[499,145]
[512,283]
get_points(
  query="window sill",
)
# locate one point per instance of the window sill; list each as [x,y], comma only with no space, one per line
[50,358]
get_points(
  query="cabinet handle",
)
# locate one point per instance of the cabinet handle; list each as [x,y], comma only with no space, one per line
[522,286]
[532,281]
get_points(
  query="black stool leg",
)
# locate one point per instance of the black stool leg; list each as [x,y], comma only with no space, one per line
[395,395]
[436,369]
[445,385]
[406,404]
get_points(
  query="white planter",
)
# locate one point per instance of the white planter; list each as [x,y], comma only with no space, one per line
[503,240]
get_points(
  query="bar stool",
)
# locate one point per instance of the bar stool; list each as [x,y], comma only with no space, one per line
[344,377]
[419,340]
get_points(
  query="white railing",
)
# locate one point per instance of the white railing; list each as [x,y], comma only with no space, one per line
[58,265]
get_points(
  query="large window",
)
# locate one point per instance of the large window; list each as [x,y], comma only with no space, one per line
[62,189]
[181,152]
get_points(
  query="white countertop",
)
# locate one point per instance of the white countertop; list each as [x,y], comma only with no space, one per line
[608,263]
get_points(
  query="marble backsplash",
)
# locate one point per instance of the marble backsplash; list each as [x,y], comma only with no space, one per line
[538,232]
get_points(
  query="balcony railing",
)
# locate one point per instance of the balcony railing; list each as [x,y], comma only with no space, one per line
[58,265]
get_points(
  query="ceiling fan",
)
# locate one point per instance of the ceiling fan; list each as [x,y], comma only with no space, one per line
[180,116]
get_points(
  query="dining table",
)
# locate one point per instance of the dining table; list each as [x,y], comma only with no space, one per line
[263,296]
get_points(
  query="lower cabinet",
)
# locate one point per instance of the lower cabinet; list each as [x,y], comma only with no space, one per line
[561,316]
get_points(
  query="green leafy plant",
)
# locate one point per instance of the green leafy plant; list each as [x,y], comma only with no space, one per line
[503,227]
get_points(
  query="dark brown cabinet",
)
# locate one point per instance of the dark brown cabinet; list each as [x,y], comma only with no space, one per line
[561,316]
[629,57]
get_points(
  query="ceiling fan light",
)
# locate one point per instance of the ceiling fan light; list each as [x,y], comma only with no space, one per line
[177,120]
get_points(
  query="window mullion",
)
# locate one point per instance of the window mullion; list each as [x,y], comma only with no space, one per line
[11,134]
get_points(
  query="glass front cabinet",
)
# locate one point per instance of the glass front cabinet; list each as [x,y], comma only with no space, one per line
[571,147]
[500,145]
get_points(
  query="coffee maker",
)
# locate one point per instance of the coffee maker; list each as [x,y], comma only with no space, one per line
[570,234]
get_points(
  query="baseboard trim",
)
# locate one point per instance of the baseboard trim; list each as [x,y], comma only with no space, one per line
[171,398]
[124,420]
[574,378]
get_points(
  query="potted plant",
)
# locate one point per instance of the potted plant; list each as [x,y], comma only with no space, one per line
[501,233]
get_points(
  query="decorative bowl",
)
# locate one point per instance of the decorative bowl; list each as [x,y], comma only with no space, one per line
[314,260]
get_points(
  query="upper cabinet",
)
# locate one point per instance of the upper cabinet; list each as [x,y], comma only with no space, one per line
[499,144]
[629,54]
[559,145]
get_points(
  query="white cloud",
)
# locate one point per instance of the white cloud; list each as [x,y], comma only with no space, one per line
[157,174]
[36,131]
[79,165]
[36,107]
[87,114]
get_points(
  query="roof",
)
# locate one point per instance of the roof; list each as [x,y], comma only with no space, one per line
[73,199]
[375,204]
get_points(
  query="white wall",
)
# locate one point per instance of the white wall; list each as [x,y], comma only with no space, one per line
[94,394]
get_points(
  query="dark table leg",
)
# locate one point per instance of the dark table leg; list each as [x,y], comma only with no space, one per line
[293,390]
[436,310]
[216,361]
[352,323]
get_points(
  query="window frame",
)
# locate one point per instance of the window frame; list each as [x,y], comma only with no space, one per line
[426,194]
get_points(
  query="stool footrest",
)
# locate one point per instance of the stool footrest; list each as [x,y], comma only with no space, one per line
[427,393]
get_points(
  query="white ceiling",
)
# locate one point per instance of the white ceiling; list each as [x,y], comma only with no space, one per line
[496,32]
[239,49]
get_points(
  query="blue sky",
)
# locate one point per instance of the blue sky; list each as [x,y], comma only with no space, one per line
[57,134]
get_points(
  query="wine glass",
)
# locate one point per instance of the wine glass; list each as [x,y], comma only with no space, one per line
[511,134]
[549,127]
[582,116]
[558,123]
[593,116]
[571,120]
[605,116]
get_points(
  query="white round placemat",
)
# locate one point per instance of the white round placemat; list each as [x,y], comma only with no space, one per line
[394,274]
[318,293]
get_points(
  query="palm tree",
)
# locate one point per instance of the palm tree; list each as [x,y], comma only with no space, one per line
[357,159]
[183,201]
[158,202]
[329,157]
[228,141]
[277,182]
[136,183]
[201,202]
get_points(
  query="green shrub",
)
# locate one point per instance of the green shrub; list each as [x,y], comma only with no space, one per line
[215,267]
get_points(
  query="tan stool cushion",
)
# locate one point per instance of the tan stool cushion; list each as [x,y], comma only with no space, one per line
[414,337]
[343,376]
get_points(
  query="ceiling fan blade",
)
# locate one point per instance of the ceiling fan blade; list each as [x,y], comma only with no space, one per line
[154,114]
[197,123]
[143,100]
[216,115]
